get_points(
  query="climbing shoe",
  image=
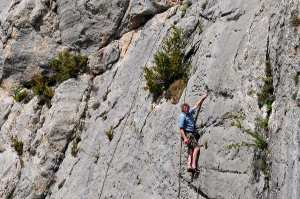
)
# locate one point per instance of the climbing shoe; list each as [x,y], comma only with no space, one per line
[190,169]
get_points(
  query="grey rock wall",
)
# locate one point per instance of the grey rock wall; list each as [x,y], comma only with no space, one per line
[67,153]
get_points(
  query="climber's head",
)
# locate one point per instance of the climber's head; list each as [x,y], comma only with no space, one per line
[185,108]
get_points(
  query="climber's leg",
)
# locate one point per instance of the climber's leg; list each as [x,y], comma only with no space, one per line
[190,159]
[195,157]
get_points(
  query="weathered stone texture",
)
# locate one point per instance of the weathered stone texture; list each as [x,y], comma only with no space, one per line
[67,153]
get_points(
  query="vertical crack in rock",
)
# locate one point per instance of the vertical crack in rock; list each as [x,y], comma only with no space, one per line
[34,145]
[109,85]
[145,121]
[127,115]
[265,99]
[117,30]
[78,128]
[59,143]
[73,166]
[119,122]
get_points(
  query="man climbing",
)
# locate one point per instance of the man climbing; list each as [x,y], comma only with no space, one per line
[188,132]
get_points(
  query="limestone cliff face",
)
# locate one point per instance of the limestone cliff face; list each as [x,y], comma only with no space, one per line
[230,43]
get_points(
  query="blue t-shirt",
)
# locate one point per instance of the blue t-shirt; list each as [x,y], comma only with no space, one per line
[187,121]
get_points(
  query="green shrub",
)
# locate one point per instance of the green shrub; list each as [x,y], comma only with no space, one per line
[75,149]
[258,141]
[19,93]
[110,133]
[296,78]
[169,64]
[40,87]
[17,145]
[67,65]
[266,95]
[154,85]
[262,123]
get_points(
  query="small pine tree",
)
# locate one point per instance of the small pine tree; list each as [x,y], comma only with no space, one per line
[40,87]
[169,64]
[17,145]
[19,93]
[67,65]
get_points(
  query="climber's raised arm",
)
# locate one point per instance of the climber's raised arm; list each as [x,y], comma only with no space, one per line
[200,102]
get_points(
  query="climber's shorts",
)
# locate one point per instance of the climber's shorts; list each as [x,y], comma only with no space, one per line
[193,138]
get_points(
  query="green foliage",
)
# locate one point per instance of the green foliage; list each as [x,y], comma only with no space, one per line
[258,141]
[110,133]
[19,93]
[169,64]
[262,123]
[67,65]
[153,84]
[40,87]
[75,149]
[266,95]
[17,145]
[296,78]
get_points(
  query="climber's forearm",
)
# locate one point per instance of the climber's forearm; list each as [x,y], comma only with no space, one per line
[200,102]
[182,134]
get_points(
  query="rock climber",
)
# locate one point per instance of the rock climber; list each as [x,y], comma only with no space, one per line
[188,133]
